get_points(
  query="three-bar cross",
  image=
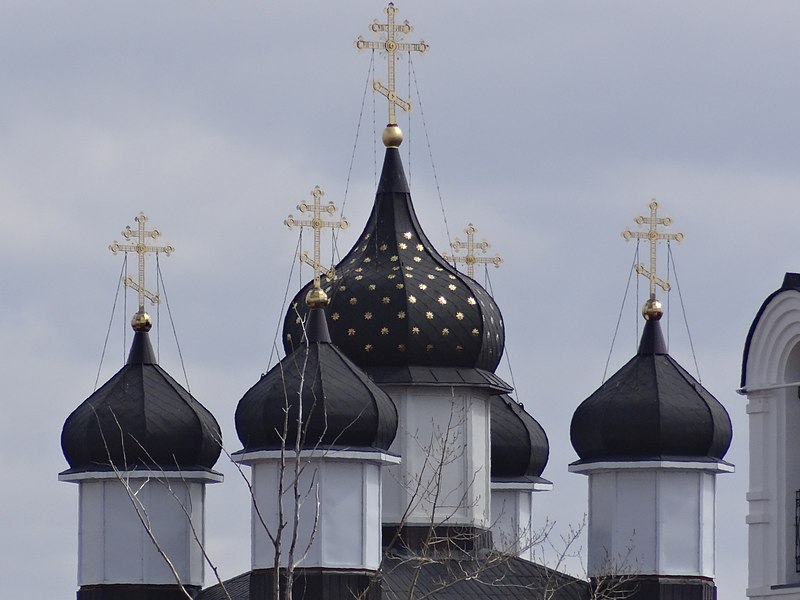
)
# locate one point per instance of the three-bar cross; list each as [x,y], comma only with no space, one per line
[391,46]
[316,223]
[141,248]
[471,246]
[652,235]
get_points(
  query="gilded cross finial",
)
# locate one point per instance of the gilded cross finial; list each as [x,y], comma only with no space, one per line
[471,246]
[140,236]
[316,222]
[652,235]
[391,45]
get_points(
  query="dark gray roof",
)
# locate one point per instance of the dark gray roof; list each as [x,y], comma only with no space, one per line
[438,376]
[651,408]
[396,301]
[493,576]
[519,444]
[341,406]
[141,417]
[791,282]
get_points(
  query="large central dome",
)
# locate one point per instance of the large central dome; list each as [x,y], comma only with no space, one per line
[396,301]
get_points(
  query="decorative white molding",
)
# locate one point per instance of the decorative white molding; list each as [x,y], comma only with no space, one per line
[379,458]
[188,476]
[522,486]
[746,391]
[644,465]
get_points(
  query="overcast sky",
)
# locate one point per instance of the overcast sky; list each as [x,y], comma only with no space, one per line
[551,126]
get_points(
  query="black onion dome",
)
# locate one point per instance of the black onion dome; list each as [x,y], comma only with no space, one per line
[341,406]
[650,409]
[141,417]
[519,444]
[396,302]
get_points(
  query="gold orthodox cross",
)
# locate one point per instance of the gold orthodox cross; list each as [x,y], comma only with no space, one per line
[392,46]
[652,235]
[471,246]
[316,223]
[141,248]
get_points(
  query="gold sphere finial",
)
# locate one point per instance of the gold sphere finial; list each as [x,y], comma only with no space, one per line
[316,298]
[392,136]
[652,310]
[141,322]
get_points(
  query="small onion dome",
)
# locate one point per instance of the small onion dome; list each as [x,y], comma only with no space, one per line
[651,408]
[141,417]
[396,302]
[341,406]
[519,444]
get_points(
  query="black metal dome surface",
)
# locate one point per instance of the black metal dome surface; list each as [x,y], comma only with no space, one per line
[396,302]
[341,406]
[651,409]
[141,417]
[519,444]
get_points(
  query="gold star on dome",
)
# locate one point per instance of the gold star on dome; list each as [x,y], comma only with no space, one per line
[415,330]
[429,315]
[384,331]
[351,332]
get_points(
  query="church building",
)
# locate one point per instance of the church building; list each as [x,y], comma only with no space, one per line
[388,460]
